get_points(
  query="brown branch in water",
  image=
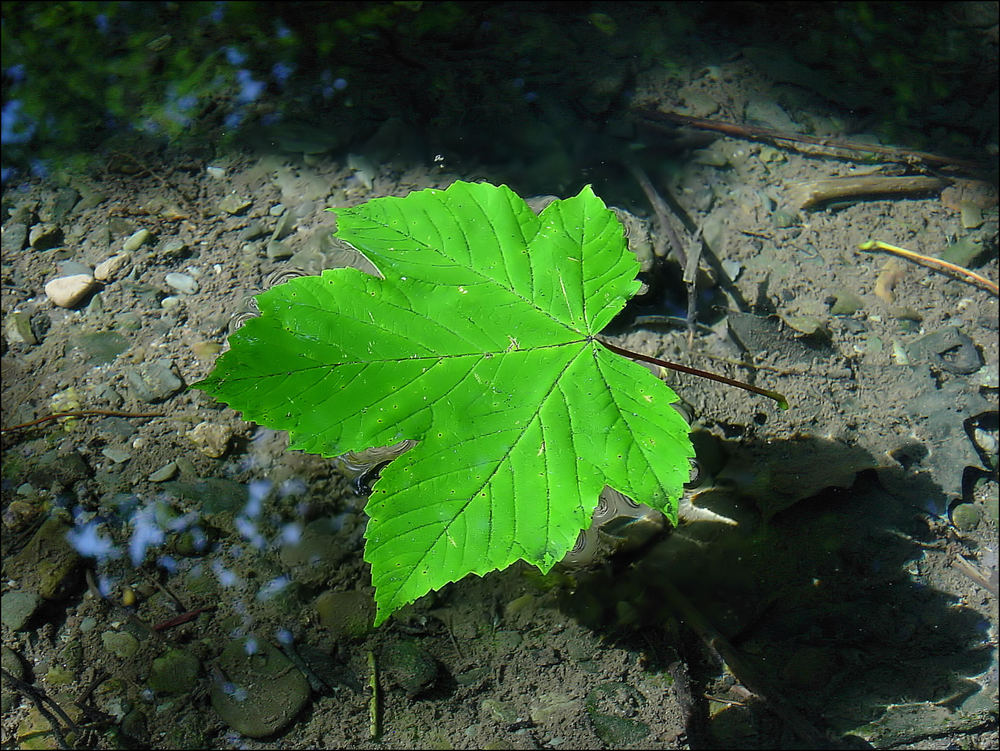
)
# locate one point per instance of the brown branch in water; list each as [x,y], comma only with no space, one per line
[815,192]
[82,413]
[177,620]
[769,135]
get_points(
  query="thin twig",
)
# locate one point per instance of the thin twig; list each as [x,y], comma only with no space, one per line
[691,280]
[40,699]
[659,208]
[935,263]
[752,133]
[82,413]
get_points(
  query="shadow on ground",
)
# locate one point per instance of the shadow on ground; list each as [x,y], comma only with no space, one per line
[826,601]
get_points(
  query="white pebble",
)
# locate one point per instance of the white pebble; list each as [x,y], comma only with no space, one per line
[67,291]
[183,283]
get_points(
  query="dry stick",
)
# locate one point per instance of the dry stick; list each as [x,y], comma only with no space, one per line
[691,280]
[752,133]
[40,699]
[828,189]
[934,263]
[779,398]
[659,208]
[83,413]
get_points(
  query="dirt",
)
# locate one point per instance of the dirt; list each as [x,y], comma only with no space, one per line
[834,607]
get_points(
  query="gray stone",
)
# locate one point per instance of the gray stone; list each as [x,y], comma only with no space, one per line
[285,226]
[277,250]
[18,329]
[154,381]
[116,454]
[120,644]
[176,672]
[164,473]
[16,609]
[101,347]
[15,235]
[44,236]
[259,690]
[409,666]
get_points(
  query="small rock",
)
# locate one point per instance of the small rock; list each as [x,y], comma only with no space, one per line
[18,329]
[101,347]
[120,644]
[176,672]
[183,283]
[110,267]
[174,250]
[164,473]
[16,609]
[44,236]
[277,250]
[211,439]
[47,565]
[285,226]
[966,516]
[234,204]
[154,381]
[15,234]
[115,454]
[410,666]
[846,303]
[972,215]
[258,690]
[68,291]
[135,240]
[215,172]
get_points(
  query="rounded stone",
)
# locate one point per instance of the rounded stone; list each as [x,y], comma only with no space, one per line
[16,609]
[110,267]
[176,672]
[120,644]
[258,690]
[966,516]
[68,291]
[409,666]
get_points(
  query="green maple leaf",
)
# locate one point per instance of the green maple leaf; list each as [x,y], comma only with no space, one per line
[478,341]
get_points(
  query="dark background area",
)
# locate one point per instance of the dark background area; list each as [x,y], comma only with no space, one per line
[540,88]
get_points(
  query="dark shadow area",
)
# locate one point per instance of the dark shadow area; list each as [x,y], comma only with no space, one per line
[826,602]
[545,91]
